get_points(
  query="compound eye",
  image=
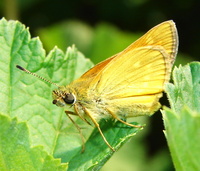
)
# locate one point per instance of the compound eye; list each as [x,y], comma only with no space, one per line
[69,98]
[54,101]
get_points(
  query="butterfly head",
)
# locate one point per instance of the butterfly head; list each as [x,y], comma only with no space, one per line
[61,97]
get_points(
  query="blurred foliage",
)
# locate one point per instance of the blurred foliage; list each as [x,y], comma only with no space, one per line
[98,44]
[102,28]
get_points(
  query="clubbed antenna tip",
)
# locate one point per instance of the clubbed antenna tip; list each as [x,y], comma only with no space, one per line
[21,68]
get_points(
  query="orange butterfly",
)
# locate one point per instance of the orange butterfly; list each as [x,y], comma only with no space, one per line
[127,84]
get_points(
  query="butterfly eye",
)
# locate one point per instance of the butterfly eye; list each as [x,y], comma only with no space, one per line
[69,98]
[54,101]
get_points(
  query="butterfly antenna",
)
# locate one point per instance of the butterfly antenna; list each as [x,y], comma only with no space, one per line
[27,71]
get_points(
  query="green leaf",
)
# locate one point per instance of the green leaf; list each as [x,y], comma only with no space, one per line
[97,152]
[16,152]
[30,100]
[182,122]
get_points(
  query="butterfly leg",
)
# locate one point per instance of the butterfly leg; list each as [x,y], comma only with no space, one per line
[98,127]
[77,113]
[68,113]
[126,123]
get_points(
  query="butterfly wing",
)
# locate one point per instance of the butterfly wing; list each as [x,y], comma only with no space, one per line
[137,74]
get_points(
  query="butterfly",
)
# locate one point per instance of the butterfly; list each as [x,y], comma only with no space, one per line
[128,84]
